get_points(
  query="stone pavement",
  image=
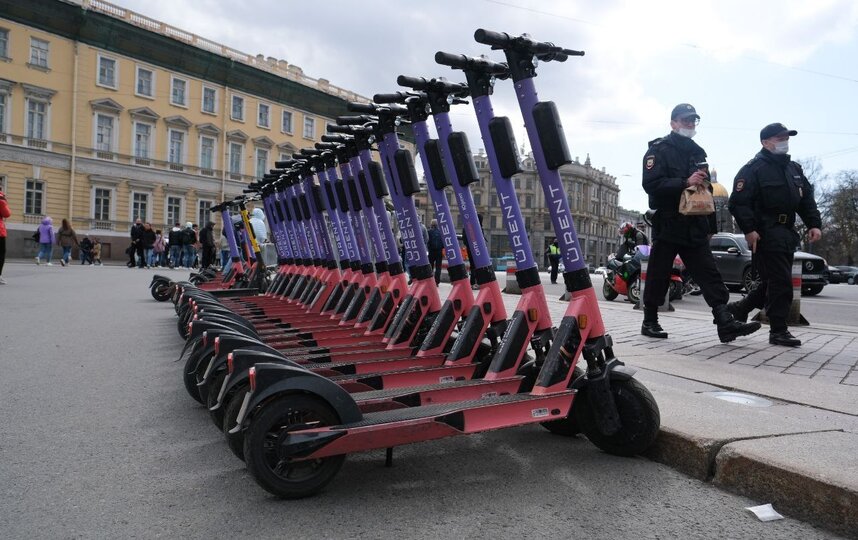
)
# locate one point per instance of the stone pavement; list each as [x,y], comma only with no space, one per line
[796,451]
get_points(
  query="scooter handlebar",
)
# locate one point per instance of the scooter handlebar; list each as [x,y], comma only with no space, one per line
[284,164]
[495,39]
[365,108]
[354,120]
[338,129]
[544,50]
[396,97]
[417,83]
[481,64]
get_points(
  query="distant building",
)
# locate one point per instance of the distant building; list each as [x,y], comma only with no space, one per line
[592,195]
[107,116]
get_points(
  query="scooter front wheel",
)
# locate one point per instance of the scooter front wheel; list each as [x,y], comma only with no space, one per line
[161,291]
[638,414]
[276,472]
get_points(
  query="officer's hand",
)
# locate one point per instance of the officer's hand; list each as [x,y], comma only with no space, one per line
[814,234]
[696,179]
[752,238]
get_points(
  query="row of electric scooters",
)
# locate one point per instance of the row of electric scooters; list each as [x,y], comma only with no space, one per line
[339,354]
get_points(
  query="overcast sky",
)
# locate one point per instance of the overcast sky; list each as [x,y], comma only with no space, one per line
[742,64]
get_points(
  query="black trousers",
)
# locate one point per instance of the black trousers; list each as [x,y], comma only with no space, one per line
[554,260]
[775,289]
[436,257]
[2,253]
[700,264]
[208,256]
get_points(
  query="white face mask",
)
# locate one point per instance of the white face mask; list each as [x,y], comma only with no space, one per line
[687,132]
[781,147]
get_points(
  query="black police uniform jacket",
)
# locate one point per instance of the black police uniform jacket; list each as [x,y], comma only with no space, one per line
[767,193]
[667,164]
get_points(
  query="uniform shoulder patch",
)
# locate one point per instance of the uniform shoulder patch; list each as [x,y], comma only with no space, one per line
[650,162]
[740,184]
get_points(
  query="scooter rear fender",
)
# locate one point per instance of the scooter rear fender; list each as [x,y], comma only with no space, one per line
[274,380]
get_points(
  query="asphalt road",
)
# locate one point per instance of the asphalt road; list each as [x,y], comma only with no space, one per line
[100,440]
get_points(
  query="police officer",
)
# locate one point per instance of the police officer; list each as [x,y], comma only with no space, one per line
[767,193]
[553,253]
[671,164]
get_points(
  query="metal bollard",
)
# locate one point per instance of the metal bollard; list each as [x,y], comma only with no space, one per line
[666,305]
[794,317]
[511,286]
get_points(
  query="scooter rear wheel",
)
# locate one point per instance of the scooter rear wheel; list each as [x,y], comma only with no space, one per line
[235,441]
[276,473]
[211,399]
[639,419]
[161,291]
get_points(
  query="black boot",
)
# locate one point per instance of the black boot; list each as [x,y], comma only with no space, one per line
[740,309]
[729,328]
[650,326]
[783,338]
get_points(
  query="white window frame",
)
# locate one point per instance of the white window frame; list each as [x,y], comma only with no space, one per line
[291,122]
[203,100]
[7,111]
[153,74]
[114,135]
[173,80]
[232,99]
[240,158]
[180,217]
[312,122]
[47,64]
[184,152]
[267,124]
[115,61]
[200,219]
[111,211]
[149,149]
[47,127]
[4,55]
[44,192]
[212,166]
[148,217]
[264,170]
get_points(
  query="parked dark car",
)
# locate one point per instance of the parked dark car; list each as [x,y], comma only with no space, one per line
[849,274]
[833,275]
[733,259]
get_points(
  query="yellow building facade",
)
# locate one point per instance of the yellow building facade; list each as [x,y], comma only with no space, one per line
[107,116]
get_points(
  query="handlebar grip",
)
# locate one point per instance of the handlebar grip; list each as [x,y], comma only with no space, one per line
[334,138]
[310,152]
[284,164]
[396,97]
[326,146]
[417,83]
[366,108]
[459,61]
[339,129]
[352,120]
[487,37]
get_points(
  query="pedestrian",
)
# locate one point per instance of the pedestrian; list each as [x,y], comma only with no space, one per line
[435,246]
[46,240]
[4,213]
[208,244]
[768,192]
[223,244]
[147,240]
[96,252]
[671,164]
[66,239]
[189,238]
[86,250]
[174,239]
[257,224]
[136,247]
[197,245]
[553,252]
[159,250]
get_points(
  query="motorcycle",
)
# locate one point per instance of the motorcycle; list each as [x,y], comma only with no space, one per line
[624,277]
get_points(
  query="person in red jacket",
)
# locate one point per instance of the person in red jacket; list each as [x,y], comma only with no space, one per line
[4,213]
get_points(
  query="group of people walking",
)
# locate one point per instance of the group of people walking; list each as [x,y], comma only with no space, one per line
[66,238]
[182,247]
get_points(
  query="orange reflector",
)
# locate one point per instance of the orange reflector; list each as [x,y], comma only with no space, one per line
[229,363]
[217,345]
[251,375]
[582,321]
[532,315]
